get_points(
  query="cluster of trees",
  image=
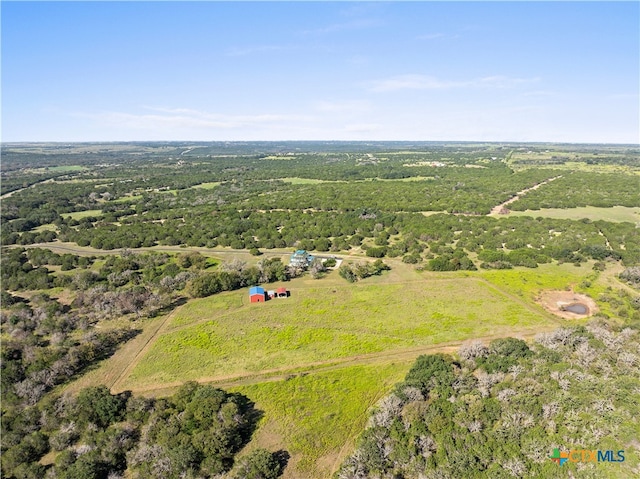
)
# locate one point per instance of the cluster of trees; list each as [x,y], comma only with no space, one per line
[453,260]
[197,432]
[499,410]
[32,366]
[48,341]
[381,234]
[632,276]
[523,241]
[18,273]
[518,241]
[67,261]
[355,271]
[455,190]
[99,435]
[27,270]
[237,274]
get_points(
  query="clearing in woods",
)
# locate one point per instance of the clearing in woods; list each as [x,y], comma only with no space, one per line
[615,213]
[226,336]
[345,343]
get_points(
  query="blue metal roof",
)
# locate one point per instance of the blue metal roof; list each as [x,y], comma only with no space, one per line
[256,290]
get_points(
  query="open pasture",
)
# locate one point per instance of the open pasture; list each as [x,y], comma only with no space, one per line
[614,213]
[206,186]
[224,336]
[319,433]
[306,181]
[77,215]
[58,169]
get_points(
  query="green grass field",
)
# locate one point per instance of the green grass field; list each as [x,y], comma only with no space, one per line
[527,283]
[409,179]
[225,336]
[615,213]
[319,433]
[76,215]
[59,169]
[317,362]
[307,181]
[127,198]
[46,227]
[207,186]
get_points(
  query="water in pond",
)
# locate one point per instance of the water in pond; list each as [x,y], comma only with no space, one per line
[577,308]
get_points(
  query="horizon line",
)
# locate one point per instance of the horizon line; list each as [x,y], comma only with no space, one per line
[554,142]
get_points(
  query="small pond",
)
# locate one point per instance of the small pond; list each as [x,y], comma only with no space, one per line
[577,308]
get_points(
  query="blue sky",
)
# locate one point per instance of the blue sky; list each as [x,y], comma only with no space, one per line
[474,71]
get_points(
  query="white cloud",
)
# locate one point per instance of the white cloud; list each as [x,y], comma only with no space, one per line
[353,106]
[427,82]
[358,24]
[184,118]
[362,128]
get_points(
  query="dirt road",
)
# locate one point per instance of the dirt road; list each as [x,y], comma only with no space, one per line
[497,210]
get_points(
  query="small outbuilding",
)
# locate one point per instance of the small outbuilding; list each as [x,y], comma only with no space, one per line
[282,293]
[256,294]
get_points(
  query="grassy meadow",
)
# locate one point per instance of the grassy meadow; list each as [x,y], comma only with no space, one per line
[526,283]
[615,213]
[318,434]
[226,336]
[77,215]
[317,362]
[207,186]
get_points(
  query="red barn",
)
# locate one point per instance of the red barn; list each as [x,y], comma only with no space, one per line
[256,294]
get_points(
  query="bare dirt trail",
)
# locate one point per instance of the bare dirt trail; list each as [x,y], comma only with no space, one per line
[499,210]
[117,367]
[133,359]
[11,193]
[61,247]
[610,276]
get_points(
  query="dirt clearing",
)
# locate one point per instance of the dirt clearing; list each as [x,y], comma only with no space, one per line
[567,304]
